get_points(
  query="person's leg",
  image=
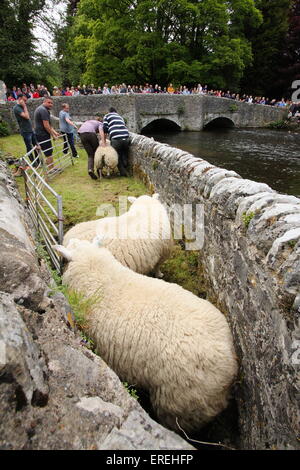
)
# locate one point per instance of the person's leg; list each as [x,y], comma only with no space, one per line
[36,154]
[27,140]
[65,147]
[46,146]
[70,138]
[117,145]
[90,143]
[30,142]
[124,150]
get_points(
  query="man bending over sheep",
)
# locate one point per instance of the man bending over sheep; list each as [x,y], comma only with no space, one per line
[88,135]
[114,126]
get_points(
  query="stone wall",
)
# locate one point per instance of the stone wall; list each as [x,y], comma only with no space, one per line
[189,112]
[251,263]
[55,393]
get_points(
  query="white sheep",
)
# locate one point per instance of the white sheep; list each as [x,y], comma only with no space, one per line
[140,238]
[105,157]
[155,335]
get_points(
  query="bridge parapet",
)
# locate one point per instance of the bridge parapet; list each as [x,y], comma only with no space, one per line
[189,112]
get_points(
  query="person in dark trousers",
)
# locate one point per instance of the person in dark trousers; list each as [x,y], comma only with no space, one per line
[67,126]
[88,135]
[26,130]
[114,126]
[44,130]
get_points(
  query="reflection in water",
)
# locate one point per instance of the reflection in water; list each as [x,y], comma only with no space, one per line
[263,155]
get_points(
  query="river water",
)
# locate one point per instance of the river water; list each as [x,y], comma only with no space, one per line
[262,155]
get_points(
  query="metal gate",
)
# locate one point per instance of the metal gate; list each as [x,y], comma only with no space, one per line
[44,204]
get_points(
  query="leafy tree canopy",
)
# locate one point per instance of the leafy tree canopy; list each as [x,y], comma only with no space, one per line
[19,59]
[162,41]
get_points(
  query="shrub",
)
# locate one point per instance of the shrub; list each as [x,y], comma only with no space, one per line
[4,129]
[282,124]
[247,218]
[233,108]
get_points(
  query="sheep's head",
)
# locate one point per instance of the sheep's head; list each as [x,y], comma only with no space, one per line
[76,247]
[142,199]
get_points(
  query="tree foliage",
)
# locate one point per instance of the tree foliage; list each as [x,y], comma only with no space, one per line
[247,45]
[267,46]
[289,67]
[20,60]
[162,41]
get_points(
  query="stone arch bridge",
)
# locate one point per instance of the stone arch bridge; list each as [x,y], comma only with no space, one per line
[181,112]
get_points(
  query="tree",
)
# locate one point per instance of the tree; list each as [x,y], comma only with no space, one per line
[289,67]
[17,19]
[163,41]
[267,46]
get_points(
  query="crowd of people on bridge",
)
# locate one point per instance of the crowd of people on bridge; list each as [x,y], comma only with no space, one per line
[40,91]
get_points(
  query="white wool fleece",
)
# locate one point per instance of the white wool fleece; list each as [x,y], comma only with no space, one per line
[106,156]
[157,336]
[140,239]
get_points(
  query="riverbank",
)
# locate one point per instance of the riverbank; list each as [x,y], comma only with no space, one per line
[289,124]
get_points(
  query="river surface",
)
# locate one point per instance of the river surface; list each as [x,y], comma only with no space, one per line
[262,155]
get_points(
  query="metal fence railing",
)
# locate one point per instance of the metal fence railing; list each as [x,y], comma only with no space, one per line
[44,204]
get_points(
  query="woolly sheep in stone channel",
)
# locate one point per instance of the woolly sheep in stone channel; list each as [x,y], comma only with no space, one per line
[155,335]
[105,157]
[140,239]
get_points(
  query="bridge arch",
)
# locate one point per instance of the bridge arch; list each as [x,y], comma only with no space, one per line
[158,124]
[219,122]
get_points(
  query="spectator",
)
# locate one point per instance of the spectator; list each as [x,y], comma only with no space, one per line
[35,94]
[68,92]
[22,115]
[281,103]
[123,88]
[14,92]
[56,91]
[67,127]
[44,130]
[105,90]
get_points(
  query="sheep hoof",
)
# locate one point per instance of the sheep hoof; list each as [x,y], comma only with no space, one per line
[159,274]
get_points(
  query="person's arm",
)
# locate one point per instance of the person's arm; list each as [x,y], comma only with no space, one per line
[25,112]
[50,129]
[102,135]
[71,123]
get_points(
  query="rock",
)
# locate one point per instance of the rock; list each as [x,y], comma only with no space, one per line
[137,432]
[21,361]
[19,272]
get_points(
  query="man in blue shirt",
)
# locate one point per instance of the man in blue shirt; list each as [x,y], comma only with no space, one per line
[67,127]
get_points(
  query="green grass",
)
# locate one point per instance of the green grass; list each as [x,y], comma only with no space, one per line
[183,268]
[12,146]
[82,195]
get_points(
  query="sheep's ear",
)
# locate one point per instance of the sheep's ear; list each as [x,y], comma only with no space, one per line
[62,251]
[131,199]
[97,241]
[155,196]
